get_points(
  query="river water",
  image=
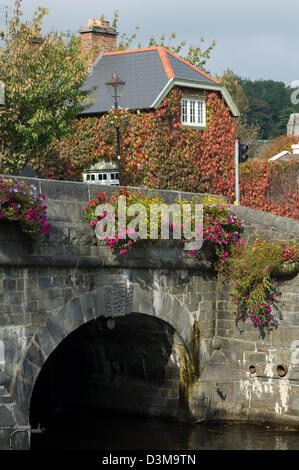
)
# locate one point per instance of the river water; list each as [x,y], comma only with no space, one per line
[124,432]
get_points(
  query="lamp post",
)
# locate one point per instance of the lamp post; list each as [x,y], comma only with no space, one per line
[115,87]
[2,103]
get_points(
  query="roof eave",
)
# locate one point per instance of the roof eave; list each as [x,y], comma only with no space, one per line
[198,85]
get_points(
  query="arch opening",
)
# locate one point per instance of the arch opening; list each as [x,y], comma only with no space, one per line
[125,365]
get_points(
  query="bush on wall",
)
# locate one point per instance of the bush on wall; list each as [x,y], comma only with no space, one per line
[270,186]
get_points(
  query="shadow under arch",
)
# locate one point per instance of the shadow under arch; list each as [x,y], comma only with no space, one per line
[130,364]
[79,311]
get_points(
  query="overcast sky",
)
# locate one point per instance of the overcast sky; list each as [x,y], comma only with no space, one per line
[255,38]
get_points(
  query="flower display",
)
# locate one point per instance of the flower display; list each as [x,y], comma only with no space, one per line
[251,269]
[22,204]
[125,237]
[220,227]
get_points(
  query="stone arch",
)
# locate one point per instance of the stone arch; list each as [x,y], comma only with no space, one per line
[81,310]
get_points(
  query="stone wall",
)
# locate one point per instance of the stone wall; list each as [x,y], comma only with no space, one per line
[244,378]
[50,288]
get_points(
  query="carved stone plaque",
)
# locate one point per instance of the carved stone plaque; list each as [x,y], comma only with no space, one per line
[118,299]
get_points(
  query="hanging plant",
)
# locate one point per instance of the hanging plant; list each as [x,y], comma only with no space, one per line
[253,270]
[23,205]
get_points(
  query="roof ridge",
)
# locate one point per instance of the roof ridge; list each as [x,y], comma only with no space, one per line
[193,66]
[131,51]
[163,51]
[165,62]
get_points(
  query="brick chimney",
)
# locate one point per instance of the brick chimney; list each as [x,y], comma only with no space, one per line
[97,33]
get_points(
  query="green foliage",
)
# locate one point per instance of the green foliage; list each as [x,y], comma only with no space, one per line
[280,127]
[269,104]
[43,77]
[247,132]
[260,114]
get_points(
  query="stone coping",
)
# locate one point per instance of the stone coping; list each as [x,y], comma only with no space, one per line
[58,190]
[74,192]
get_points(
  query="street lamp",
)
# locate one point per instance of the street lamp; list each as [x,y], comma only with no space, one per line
[115,87]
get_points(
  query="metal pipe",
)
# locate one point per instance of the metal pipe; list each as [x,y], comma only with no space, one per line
[27,430]
[237,195]
[118,145]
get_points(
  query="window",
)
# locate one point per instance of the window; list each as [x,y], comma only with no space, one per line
[193,112]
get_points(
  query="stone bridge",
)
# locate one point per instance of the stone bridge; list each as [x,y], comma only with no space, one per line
[145,333]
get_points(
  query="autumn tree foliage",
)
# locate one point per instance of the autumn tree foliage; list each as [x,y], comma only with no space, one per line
[277,145]
[43,76]
[270,187]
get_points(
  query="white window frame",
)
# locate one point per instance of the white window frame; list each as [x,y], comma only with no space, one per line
[192,109]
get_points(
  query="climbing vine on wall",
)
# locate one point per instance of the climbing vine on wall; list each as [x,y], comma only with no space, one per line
[271,187]
[158,152]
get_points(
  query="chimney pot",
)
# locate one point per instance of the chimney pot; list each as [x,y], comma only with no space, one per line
[97,33]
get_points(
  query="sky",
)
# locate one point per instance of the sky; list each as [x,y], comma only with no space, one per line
[257,39]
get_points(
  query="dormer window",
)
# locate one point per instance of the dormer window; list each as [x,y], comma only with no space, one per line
[193,112]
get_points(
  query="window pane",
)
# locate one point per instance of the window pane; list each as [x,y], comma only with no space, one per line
[200,112]
[192,111]
[184,111]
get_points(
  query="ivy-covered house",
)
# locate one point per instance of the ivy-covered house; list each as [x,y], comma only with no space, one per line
[182,126]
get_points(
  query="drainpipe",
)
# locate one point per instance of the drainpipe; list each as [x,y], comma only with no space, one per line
[237,197]
[26,429]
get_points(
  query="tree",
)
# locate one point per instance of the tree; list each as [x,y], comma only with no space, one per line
[43,76]
[260,113]
[195,55]
[280,127]
[247,133]
[275,99]
[277,145]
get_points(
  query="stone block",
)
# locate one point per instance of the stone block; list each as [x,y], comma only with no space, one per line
[56,329]
[45,340]
[6,417]
[36,355]
[88,306]
[64,190]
